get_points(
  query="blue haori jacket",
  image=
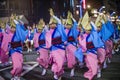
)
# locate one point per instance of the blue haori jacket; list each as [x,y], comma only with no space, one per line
[18,39]
[93,40]
[72,35]
[41,40]
[58,38]
[105,33]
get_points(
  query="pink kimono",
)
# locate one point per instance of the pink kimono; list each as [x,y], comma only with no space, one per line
[101,55]
[70,49]
[57,57]
[109,47]
[17,64]
[43,57]
[4,46]
[90,59]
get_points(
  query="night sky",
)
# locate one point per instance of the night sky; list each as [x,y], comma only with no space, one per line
[40,7]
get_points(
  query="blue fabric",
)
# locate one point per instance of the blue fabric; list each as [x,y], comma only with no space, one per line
[110,26]
[95,39]
[18,49]
[59,32]
[73,32]
[79,54]
[31,36]
[116,33]
[105,33]
[19,35]
[42,37]
[60,29]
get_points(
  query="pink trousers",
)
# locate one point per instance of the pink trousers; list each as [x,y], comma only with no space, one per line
[71,61]
[92,64]
[57,59]
[43,58]
[17,60]
[101,54]
[109,47]
[3,56]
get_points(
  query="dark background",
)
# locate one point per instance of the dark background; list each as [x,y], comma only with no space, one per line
[36,9]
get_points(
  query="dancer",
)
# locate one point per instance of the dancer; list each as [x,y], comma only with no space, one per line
[57,49]
[71,32]
[41,45]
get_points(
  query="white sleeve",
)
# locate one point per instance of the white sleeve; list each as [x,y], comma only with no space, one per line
[16,22]
[73,20]
[94,26]
[58,20]
[102,21]
[21,22]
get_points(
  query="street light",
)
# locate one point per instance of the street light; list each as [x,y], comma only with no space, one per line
[112,13]
[101,8]
[79,6]
[88,6]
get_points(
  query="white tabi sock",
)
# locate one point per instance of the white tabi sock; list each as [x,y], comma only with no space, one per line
[55,76]
[43,72]
[72,72]
[105,64]
[99,73]
[109,61]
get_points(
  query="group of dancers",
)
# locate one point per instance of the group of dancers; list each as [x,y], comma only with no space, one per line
[86,42]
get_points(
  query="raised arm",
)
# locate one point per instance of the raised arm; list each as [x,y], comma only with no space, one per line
[56,18]
[93,26]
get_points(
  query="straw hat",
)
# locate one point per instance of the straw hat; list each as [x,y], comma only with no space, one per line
[86,22]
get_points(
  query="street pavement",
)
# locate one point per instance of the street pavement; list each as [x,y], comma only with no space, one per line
[112,72]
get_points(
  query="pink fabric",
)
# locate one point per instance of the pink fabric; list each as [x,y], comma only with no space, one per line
[1,34]
[82,42]
[92,64]
[17,60]
[71,61]
[4,46]
[35,39]
[0,46]
[3,56]
[66,30]
[8,28]
[109,47]
[57,58]
[48,39]
[43,58]
[101,54]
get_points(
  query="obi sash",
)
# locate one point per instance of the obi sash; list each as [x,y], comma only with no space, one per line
[90,45]
[16,44]
[41,42]
[56,41]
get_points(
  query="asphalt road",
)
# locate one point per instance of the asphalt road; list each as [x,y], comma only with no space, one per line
[112,72]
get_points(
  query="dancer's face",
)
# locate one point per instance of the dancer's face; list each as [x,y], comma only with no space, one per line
[52,26]
[88,31]
[40,30]
[68,26]
[13,29]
